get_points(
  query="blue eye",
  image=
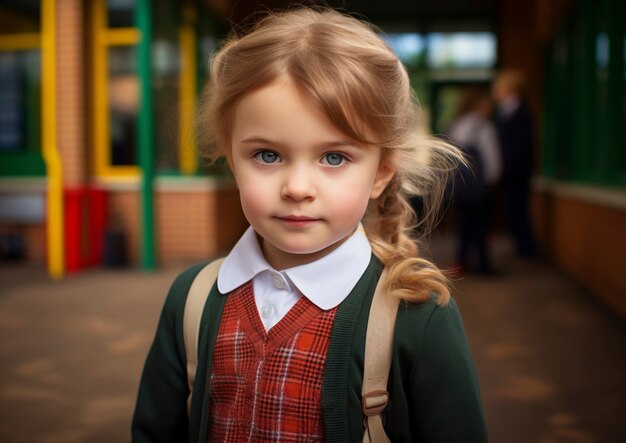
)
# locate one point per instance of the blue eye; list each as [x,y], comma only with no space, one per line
[334,158]
[266,157]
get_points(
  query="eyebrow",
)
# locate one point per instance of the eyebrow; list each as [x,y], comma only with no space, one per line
[326,145]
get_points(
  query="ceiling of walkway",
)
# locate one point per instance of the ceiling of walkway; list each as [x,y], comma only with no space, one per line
[420,10]
[421,14]
[416,14]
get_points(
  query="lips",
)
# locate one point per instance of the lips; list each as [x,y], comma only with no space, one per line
[297,220]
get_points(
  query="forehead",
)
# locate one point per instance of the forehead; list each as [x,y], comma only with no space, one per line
[281,111]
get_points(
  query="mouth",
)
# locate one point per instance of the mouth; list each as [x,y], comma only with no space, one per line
[297,220]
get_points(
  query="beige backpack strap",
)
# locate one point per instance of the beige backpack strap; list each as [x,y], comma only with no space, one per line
[196,299]
[378,354]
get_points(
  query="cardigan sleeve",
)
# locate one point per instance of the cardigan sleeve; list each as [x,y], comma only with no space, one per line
[444,393]
[161,408]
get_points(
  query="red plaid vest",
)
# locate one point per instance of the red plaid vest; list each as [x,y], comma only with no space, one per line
[266,386]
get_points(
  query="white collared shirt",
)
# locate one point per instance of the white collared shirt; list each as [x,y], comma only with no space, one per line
[472,129]
[326,282]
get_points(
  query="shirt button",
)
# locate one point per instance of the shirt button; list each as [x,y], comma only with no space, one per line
[279,283]
[266,310]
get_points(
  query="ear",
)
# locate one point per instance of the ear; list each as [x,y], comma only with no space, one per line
[383,176]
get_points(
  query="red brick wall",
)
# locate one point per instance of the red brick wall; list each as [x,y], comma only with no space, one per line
[196,225]
[232,222]
[190,225]
[588,241]
[185,224]
[35,242]
[70,90]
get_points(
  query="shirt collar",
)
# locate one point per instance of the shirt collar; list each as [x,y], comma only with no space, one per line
[326,281]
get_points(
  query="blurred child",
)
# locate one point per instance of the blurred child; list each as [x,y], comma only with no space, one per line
[315,117]
[474,133]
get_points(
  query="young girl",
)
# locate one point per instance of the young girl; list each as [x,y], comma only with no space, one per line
[314,114]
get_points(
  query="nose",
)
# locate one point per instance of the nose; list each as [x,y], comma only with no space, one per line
[298,184]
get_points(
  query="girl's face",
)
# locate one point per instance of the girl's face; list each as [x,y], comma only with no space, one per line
[304,185]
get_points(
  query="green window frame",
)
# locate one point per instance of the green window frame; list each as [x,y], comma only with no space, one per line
[585,108]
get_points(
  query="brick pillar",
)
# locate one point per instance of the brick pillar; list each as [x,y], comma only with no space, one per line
[71,90]
[520,28]
[520,48]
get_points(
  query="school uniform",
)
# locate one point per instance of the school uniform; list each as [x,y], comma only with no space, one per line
[434,394]
[515,130]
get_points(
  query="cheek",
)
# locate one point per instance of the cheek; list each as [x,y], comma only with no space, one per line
[253,199]
[247,192]
[353,194]
[350,202]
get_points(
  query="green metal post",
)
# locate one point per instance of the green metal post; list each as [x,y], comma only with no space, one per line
[585,156]
[616,157]
[146,133]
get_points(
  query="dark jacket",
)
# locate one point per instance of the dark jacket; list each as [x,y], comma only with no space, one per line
[516,141]
[434,394]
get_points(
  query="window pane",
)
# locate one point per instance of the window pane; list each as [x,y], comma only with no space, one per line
[409,47]
[446,103]
[20,97]
[461,50]
[206,47]
[165,83]
[121,13]
[123,104]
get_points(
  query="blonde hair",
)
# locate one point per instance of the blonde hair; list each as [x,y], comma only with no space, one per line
[340,63]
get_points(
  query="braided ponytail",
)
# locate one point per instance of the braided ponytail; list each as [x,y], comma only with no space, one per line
[392,225]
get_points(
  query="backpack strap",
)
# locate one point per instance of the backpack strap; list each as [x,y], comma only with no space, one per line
[378,354]
[196,299]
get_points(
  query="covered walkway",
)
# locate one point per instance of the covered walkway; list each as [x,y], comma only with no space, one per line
[551,358]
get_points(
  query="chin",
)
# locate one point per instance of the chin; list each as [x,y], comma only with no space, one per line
[302,249]
[303,246]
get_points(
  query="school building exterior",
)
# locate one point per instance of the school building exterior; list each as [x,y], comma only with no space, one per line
[96,142]
[99,164]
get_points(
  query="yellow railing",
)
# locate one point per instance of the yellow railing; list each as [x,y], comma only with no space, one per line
[20,42]
[54,213]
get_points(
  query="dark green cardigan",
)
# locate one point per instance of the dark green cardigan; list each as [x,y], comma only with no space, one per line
[434,395]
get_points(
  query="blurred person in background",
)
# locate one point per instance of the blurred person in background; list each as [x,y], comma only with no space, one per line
[473,131]
[514,124]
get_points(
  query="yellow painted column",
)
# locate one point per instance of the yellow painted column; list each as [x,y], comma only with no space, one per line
[188,60]
[54,210]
